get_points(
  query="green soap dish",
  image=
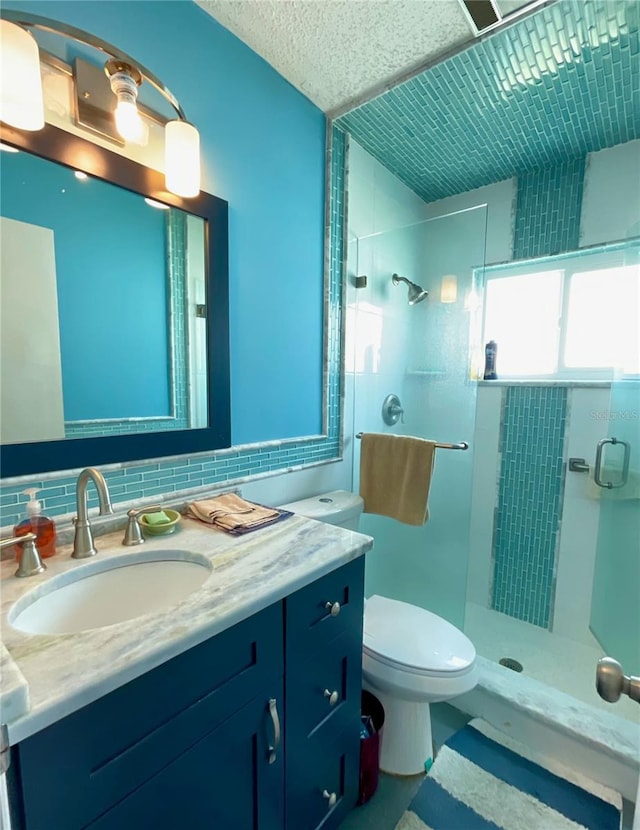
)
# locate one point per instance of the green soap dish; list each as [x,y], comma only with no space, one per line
[160,529]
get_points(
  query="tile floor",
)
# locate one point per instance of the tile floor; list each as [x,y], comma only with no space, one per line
[394,794]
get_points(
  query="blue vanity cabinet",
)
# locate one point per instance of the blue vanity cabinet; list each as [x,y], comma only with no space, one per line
[202,718]
[323,655]
[194,743]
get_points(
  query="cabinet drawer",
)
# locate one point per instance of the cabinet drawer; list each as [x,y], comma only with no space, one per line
[337,669]
[96,756]
[328,763]
[309,623]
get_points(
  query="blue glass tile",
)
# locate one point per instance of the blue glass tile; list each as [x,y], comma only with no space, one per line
[529,500]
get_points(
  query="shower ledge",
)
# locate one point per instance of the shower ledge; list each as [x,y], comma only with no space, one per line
[599,744]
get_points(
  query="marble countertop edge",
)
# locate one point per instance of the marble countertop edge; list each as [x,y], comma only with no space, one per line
[249,573]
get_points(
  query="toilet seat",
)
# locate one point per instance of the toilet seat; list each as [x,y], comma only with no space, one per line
[411,639]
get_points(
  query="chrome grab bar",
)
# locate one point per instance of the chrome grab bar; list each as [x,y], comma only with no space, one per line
[609,485]
[461,446]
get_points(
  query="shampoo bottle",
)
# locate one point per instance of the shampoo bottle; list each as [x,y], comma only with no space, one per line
[490,355]
[35,522]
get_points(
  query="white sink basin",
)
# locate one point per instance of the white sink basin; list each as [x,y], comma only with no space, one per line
[110,591]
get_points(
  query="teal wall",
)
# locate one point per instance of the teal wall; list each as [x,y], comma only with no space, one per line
[263,151]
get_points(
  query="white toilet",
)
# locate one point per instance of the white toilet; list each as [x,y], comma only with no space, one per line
[411,657]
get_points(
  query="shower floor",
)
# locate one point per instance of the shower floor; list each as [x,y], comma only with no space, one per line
[557,661]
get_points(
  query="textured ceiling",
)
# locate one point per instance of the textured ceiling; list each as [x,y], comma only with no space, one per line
[337,51]
[557,85]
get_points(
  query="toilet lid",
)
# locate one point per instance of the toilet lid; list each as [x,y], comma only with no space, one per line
[413,637]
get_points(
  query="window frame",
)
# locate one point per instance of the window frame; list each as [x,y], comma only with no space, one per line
[594,258]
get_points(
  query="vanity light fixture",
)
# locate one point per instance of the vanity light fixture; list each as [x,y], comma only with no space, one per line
[21,98]
[125,80]
[21,103]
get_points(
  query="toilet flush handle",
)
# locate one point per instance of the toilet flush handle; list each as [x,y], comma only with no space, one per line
[333,608]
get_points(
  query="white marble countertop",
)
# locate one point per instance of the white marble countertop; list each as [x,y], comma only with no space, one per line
[47,677]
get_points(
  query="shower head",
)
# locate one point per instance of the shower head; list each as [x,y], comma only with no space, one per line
[416,294]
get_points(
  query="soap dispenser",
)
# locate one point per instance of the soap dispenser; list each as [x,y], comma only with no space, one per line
[35,522]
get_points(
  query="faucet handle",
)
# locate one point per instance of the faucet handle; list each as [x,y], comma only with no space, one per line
[133,534]
[29,563]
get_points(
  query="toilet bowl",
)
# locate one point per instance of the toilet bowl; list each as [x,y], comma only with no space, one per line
[410,657]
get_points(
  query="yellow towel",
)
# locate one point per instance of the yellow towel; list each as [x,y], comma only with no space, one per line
[230,511]
[395,475]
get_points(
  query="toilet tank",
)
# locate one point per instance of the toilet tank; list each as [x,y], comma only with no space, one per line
[339,507]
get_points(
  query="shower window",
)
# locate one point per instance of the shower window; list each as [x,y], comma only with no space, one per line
[568,316]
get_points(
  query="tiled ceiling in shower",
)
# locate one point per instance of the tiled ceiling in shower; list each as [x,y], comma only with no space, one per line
[561,83]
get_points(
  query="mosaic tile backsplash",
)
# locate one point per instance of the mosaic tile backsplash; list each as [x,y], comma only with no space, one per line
[558,85]
[530,491]
[146,480]
[548,210]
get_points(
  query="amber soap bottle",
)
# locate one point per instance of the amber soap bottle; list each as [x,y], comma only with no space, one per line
[35,522]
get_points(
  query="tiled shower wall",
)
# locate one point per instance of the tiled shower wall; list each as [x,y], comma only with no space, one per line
[156,478]
[520,532]
[549,206]
[528,510]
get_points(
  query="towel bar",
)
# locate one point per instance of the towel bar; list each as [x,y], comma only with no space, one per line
[461,446]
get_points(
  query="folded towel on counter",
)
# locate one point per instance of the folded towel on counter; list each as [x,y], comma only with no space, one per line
[395,476]
[233,514]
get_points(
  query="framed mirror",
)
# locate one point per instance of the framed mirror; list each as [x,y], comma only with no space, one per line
[115,312]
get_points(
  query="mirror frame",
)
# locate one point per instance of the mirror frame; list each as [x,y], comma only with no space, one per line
[46,456]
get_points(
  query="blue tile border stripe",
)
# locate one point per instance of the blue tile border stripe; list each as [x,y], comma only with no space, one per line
[530,492]
[548,210]
[150,479]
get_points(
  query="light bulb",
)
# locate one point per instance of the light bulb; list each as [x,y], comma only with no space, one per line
[182,158]
[128,122]
[21,103]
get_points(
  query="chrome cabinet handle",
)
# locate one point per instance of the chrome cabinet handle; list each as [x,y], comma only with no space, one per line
[332,697]
[597,472]
[333,608]
[275,720]
[331,797]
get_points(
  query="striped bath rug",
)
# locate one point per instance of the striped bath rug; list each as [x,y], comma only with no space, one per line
[484,780]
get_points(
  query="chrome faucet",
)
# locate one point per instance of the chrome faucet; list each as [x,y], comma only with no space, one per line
[29,563]
[83,546]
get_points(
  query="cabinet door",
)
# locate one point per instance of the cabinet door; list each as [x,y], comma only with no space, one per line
[224,781]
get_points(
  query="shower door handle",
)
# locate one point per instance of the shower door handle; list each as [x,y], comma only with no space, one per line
[597,472]
[611,681]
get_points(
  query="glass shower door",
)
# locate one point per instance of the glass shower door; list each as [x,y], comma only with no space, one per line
[615,602]
[422,354]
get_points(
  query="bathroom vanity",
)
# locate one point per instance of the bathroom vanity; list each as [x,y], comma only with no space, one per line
[255,725]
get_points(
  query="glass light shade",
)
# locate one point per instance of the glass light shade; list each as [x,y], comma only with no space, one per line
[182,158]
[21,103]
[449,289]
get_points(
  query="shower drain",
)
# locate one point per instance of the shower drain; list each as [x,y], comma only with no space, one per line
[510,663]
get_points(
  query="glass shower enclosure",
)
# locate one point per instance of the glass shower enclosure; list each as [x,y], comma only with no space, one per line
[426,354]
